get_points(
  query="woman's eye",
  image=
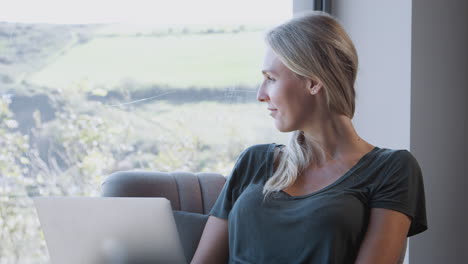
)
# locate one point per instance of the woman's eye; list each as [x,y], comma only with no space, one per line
[269,78]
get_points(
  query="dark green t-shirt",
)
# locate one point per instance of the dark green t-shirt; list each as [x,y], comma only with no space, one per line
[326,226]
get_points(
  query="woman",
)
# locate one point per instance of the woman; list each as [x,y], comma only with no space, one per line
[328,196]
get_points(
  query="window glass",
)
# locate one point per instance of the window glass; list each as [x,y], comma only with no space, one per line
[88,88]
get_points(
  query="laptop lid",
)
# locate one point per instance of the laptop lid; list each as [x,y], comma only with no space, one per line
[109,230]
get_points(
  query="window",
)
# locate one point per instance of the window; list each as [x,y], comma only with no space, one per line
[93,87]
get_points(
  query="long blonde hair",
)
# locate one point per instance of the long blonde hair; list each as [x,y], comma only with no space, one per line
[313,45]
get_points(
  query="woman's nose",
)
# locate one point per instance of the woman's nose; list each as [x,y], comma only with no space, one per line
[261,95]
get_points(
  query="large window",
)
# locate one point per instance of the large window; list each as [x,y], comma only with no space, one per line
[88,88]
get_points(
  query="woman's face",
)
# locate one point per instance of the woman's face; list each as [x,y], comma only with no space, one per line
[283,91]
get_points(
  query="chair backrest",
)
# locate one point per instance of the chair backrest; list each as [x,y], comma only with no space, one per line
[189,192]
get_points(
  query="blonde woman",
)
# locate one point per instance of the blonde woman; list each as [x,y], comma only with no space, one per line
[328,196]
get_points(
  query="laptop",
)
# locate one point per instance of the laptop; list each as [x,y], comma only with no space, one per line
[109,230]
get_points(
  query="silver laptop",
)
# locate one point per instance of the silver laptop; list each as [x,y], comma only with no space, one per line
[108,230]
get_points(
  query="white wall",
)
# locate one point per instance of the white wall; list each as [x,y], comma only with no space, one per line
[381,33]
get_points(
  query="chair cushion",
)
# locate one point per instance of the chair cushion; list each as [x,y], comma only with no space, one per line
[190,227]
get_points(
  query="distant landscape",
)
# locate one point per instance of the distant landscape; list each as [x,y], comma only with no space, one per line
[78,102]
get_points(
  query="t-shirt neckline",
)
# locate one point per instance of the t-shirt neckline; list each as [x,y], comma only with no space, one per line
[347,174]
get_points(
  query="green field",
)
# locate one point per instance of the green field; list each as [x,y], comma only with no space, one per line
[203,60]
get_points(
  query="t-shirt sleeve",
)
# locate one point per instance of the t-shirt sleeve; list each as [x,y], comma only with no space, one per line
[402,189]
[231,189]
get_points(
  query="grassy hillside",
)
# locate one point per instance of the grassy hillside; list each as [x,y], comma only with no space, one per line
[200,60]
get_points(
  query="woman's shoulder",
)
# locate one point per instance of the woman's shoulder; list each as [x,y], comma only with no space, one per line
[255,154]
[394,159]
[391,155]
[261,149]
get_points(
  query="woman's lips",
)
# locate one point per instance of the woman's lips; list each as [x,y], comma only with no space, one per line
[272,110]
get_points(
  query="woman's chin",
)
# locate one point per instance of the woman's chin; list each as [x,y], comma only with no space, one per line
[281,128]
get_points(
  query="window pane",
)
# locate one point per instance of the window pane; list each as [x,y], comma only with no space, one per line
[93,87]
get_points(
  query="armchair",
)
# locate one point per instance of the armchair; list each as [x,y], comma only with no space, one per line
[192,195]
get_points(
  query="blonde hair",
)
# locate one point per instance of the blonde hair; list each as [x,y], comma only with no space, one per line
[313,45]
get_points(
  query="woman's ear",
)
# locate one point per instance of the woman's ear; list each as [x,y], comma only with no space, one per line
[315,87]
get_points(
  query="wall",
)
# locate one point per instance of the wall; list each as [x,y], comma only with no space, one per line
[380,32]
[439,123]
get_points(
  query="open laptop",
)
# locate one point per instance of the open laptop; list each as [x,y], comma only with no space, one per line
[109,230]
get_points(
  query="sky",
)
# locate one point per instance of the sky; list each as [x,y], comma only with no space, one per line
[146,11]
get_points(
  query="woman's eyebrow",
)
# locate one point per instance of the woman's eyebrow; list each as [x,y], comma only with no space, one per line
[264,72]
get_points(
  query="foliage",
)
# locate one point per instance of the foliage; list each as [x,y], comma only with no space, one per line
[84,145]
[18,223]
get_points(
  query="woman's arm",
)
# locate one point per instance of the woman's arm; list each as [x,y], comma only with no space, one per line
[385,237]
[213,247]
